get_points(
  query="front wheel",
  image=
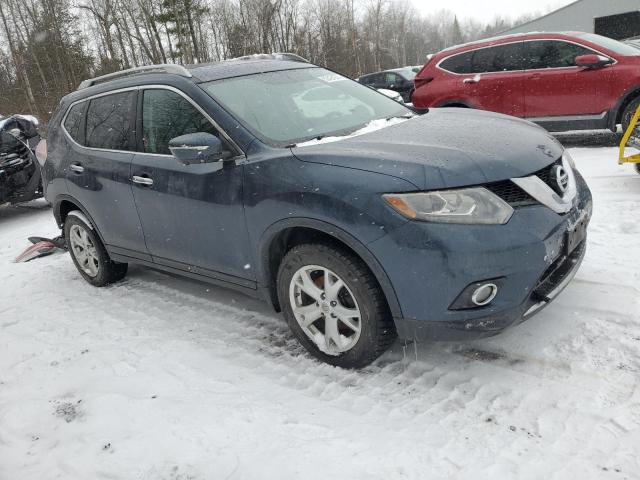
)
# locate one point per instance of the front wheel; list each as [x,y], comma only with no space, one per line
[628,114]
[89,255]
[334,305]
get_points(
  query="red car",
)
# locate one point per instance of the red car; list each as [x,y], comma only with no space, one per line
[562,81]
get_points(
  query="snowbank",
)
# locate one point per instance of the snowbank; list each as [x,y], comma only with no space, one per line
[159,377]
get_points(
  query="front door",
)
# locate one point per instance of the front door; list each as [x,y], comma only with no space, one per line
[555,86]
[192,215]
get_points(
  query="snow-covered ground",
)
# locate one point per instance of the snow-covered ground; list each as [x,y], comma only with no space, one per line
[159,377]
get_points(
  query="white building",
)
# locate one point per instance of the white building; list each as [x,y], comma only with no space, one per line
[617,19]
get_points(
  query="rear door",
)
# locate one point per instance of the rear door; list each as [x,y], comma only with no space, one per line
[101,133]
[555,86]
[192,215]
[495,79]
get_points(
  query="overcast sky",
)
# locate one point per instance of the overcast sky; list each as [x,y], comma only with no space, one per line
[485,10]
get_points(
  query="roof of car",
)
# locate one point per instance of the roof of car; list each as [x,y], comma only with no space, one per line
[208,72]
[198,73]
[504,38]
[399,69]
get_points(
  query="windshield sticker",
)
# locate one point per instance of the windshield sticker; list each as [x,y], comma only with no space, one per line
[331,77]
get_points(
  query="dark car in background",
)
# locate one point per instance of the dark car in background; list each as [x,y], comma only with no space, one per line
[19,170]
[562,81]
[397,79]
[360,220]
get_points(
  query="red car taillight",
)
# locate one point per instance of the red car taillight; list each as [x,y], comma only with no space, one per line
[419,82]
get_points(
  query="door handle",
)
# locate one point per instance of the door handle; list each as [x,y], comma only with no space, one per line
[474,79]
[535,76]
[146,181]
[76,167]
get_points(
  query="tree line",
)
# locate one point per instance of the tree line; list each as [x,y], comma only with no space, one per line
[48,46]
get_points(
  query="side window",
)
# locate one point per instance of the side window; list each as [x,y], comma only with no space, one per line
[391,78]
[458,63]
[553,54]
[73,122]
[501,58]
[166,115]
[109,121]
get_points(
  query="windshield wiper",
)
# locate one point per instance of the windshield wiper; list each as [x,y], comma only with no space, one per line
[293,145]
[406,116]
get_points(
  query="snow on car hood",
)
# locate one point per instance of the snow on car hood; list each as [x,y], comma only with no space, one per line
[447,147]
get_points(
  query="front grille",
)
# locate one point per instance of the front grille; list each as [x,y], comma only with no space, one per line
[544,174]
[556,273]
[511,193]
[516,196]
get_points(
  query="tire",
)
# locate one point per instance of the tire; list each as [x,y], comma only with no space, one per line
[97,268]
[359,293]
[638,168]
[628,113]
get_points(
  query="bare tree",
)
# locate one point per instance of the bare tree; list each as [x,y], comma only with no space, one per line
[48,46]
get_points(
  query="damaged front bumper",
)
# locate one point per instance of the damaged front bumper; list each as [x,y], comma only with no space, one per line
[19,179]
[20,176]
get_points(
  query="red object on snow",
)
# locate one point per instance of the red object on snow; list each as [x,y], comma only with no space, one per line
[36,250]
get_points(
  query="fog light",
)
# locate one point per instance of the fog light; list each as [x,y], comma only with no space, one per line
[484,294]
[478,294]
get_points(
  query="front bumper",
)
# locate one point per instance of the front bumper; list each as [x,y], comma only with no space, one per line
[430,264]
[20,183]
[547,289]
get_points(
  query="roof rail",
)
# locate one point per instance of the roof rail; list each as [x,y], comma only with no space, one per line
[165,68]
[292,57]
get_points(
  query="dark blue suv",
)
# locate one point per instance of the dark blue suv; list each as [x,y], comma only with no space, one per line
[358,218]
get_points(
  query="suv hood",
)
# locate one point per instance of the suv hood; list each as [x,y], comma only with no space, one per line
[447,147]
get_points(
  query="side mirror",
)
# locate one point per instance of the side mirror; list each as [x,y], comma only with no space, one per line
[199,147]
[592,61]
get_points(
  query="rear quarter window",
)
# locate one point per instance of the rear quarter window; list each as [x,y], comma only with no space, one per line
[73,122]
[368,80]
[109,121]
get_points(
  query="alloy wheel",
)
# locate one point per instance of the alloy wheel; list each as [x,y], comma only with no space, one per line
[325,308]
[84,250]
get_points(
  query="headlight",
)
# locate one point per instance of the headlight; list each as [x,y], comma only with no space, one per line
[467,205]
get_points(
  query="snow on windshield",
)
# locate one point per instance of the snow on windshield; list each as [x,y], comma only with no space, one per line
[368,128]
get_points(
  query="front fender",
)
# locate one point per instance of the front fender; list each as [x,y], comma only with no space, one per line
[265,273]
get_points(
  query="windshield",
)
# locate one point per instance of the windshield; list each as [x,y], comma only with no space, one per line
[610,44]
[292,106]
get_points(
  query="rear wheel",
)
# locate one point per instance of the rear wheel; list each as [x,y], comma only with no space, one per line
[334,305]
[89,255]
